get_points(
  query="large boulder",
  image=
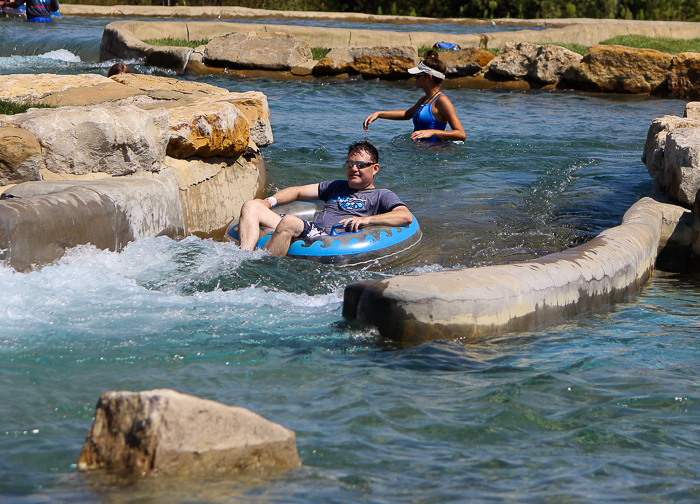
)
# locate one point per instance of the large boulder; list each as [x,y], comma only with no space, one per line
[542,63]
[207,128]
[370,62]
[265,51]
[684,76]
[619,69]
[114,140]
[655,146]
[172,434]
[20,156]
[682,165]
[465,62]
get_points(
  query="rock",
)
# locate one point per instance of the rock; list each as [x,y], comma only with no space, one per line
[20,156]
[465,62]
[692,110]
[172,434]
[370,62]
[543,63]
[167,88]
[684,76]
[514,60]
[682,165]
[266,51]
[29,88]
[213,191]
[654,147]
[619,69]
[114,140]
[254,106]
[207,128]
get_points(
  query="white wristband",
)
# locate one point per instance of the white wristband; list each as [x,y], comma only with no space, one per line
[272,201]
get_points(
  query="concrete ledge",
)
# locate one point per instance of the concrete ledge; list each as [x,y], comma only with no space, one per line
[476,302]
[123,39]
[39,220]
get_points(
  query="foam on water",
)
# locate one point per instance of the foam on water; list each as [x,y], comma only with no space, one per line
[62,55]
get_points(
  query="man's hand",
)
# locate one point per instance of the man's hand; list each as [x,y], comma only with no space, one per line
[354,224]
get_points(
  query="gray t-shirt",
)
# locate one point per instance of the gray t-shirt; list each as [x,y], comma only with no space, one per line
[343,202]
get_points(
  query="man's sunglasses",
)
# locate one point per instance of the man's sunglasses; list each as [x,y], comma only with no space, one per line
[359,164]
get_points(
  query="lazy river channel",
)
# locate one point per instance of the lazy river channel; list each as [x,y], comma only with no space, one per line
[603,408]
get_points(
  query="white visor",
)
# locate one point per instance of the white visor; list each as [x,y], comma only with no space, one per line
[423,68]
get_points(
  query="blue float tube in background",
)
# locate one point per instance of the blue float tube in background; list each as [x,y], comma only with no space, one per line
[371,243]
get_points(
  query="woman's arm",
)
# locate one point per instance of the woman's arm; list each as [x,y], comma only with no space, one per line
[394,115]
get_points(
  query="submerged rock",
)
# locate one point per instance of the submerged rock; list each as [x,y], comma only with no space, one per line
[370,62]
[168,433]
[266,51]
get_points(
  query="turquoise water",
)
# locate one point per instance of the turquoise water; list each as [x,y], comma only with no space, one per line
[603,408]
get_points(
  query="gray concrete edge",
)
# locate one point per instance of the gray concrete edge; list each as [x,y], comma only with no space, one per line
[474,303]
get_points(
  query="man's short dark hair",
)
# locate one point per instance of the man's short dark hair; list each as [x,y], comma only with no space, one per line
[365,146]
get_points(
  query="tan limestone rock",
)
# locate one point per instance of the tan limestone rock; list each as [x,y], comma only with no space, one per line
[692,111]
[205,128]
[469,61]
[212,192]
[655,146]
[114,140]
[684,76]
[266,51]
[172,434]
[682,165]
[523,60]
[370,62]
[619,69]
[254,106]
[167,87]
[20,156]
[29,88]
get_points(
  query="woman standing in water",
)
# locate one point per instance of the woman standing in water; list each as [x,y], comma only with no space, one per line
[433,111]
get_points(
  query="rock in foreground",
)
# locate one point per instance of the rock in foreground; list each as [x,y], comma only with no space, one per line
[168,433]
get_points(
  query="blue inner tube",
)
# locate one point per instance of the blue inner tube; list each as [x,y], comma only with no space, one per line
[40,20]
[341,248]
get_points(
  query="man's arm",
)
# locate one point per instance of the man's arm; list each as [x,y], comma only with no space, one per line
[295,193]
[398,216]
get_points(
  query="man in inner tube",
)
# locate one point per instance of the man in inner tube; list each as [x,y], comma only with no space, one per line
[354,203]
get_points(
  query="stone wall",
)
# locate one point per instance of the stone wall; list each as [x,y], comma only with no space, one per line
[528,58]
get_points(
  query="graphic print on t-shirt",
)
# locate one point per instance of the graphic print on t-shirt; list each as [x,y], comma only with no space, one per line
[349,203]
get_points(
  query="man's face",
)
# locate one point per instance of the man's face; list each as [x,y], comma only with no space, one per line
[360,178]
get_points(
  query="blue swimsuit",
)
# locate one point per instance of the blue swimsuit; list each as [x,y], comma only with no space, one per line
[424,119]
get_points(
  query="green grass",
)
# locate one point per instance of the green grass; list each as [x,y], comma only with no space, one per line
[663,44]
[11,108]
[319,53]
[170,41]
